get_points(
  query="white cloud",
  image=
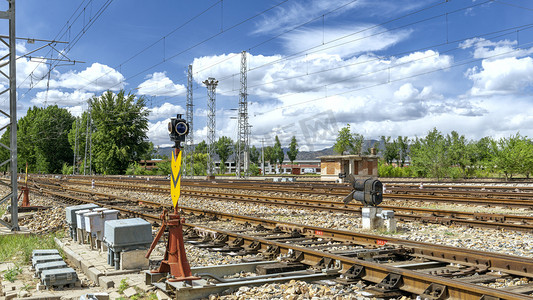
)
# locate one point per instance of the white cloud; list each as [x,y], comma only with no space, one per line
[77,110]
[95,78]
[158,84]
[295,13]
[61,98]
[488,50]
[158,132]
[166,111]
[502,76]
[342,41]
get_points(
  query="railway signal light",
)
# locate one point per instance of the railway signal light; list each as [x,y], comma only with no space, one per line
[367,191]
[178,128]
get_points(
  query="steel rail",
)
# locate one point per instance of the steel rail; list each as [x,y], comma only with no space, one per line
[521,266]
[412,281]
[447,217]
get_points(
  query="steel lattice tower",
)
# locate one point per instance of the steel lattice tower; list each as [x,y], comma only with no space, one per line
[11,78]
[243,144]
[189,139]
[211,85]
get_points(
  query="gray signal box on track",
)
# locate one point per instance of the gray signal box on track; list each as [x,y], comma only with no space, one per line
[125,235]
[71,217]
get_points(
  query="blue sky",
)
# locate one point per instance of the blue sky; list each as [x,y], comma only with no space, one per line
[384,67]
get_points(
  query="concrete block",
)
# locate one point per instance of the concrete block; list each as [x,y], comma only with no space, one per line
[93,274]
[134,259]
[162,295]
[130,292]
[370,218]
[73,257]
[85,266]
[106,282]
[99,296]
[10,295]
[115,295]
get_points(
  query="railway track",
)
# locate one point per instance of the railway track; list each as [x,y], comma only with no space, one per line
[395,267]
[425,215]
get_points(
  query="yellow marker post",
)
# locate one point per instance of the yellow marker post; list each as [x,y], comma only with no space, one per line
[175,180]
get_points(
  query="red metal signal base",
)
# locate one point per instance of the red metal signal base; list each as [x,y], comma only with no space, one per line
[175,260]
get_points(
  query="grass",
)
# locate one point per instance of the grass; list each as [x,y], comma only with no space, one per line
[123,286]
[3,209]
[11,274]
[17,248]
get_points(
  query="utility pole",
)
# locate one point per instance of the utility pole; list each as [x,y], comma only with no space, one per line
[75,149]
[243,153]
[90,143]
[86,142]
[10,42]
[263,156]
[211,85]
[189,139]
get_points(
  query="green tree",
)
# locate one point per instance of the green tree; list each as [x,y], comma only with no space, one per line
[458,152]
[254,170]
[270,155]
[403,147]
[4,153]
[390,152]
[512,155]
[278,152]
[201,147]
[429,155]
[346,141]
[293,150]
[481,153]
[343,141]
[164,167]
[254,155]
[224,148]
[82,129]
[43,139]
[121,123]
[356,143]
[200,164]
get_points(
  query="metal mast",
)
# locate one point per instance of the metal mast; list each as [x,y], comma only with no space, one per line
[189,139]
[12,126]
[243,142]
[211,85]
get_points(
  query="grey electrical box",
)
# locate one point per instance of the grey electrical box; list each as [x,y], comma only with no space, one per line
[71,212]
[71,217]
[39,268]
[59,277]
[127,234]
[41,252]
[45,259]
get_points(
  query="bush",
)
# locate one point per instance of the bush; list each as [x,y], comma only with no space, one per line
[66,169]
[385,170]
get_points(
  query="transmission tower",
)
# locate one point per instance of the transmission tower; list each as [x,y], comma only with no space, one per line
[12,126]
[189,139]
[243,144]
[211,85]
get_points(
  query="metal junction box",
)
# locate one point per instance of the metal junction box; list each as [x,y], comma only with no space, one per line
[41,252]
[94,221]
[71,212]
[45,259]
[59,277]
[127,234]
[71,217]
[39,268]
